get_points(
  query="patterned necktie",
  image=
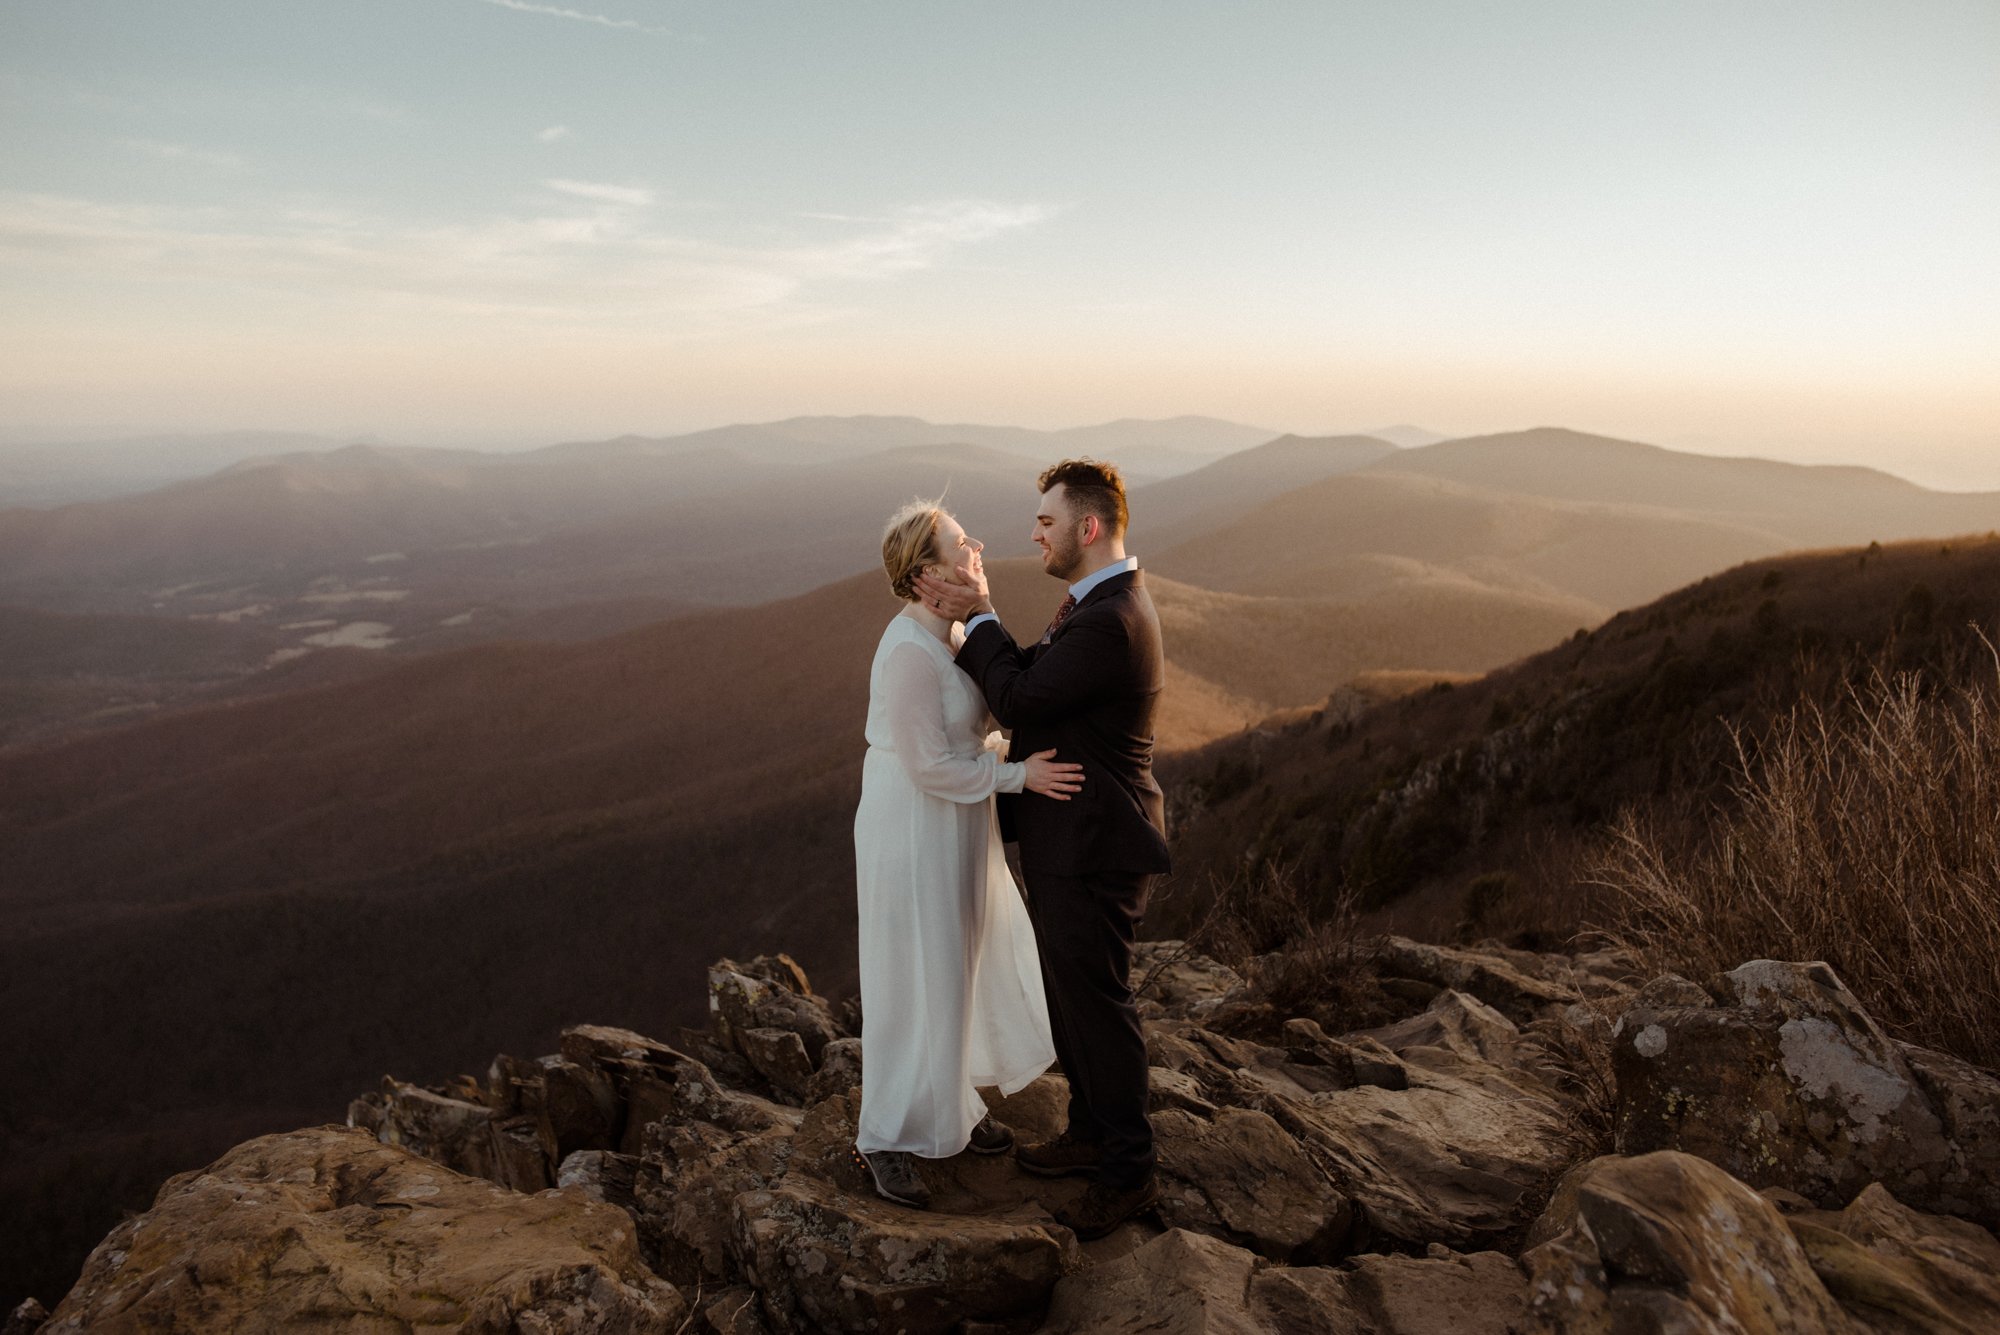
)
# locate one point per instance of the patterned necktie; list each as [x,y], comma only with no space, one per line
[1068,606]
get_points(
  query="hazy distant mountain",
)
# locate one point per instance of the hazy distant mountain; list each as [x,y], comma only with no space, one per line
[302,511]
[1168,511]
[801,441]
[1406,436]
[439,546]
[59,474]
[1805,505]
[1379,535]
[792,530]
[404,550]
[1159,448]
[1143,448]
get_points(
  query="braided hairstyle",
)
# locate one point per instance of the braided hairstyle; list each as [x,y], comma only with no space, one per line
[909,543]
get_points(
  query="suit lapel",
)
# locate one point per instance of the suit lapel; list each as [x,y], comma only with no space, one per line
[1130,579]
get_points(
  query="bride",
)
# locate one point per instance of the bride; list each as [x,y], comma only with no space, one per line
[951,987]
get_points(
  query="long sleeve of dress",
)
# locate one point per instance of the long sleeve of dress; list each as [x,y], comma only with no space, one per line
[915,699]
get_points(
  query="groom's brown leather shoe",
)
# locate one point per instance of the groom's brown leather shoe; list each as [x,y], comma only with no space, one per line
[989,1137]
[1104,1207]
[1059,1157]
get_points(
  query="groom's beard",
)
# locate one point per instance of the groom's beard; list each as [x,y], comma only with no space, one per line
[1065,559]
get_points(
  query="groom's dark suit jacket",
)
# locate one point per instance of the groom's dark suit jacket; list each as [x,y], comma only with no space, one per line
[1091,693]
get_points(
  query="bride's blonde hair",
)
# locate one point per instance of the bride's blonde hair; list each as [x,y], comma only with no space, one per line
[909,543]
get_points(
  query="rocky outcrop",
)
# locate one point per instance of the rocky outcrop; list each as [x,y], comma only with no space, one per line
[1778,1075]
[1894,1269]
[1239,1175]
[1441,1172]
[1184,1283]
[1668,1241]
[27,1317]
[826,1259]
[1171,979]
[1624,1256]
[1454,1139]
[328,1228]
[767,1012]
[1512,982]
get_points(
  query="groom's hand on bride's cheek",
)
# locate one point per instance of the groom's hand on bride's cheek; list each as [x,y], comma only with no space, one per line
[954,600]
[938,596]
[975,579]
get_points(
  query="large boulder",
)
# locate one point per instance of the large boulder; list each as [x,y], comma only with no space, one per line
[651,1083]
[1439,1293]
[1669,1242]
[839,1070]
[692,1143]
[1894,1269]
[1180,1283]
[327,1228]
[580,1109]
[1967,1102]
[1184,1283]
[1457,1143]
[454,1132]
[463,1134]
[824,1259]
[1172,980]
[1242,1177]
[602,1175]
[1038,1110]
[770,993]
[1780,1077]
[1461,1155]
[1454,1029]
[1517,983]
[685,1188]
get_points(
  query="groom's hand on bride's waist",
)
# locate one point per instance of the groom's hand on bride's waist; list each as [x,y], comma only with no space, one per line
[957,601]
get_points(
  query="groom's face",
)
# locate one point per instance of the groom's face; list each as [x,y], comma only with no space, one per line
[1058,534]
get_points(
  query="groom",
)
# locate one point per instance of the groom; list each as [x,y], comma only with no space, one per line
[1089,689]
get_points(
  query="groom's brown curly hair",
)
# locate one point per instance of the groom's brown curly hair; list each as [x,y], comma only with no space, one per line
[1093,487]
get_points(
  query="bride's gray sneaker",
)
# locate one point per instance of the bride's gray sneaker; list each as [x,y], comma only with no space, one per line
[895,1176]
[989,1137]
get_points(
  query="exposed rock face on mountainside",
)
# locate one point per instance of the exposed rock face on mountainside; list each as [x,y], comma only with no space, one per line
[1783,1079]
[1782,1166]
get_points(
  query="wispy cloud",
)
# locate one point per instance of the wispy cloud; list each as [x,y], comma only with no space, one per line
[919,237]
[168,152]
[631,196]
[553,133]
[559,12]
[594,264]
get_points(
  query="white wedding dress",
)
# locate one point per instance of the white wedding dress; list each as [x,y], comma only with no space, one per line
[951,987]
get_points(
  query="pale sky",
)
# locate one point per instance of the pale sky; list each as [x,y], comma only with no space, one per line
[1750,228]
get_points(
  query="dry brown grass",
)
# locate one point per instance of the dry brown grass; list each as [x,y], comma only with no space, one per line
[1864,831]
[1299,957]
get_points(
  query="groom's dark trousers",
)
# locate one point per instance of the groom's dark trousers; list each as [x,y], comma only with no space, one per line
[1089,690]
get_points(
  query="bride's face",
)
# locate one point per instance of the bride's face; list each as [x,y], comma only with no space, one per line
[957,548]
